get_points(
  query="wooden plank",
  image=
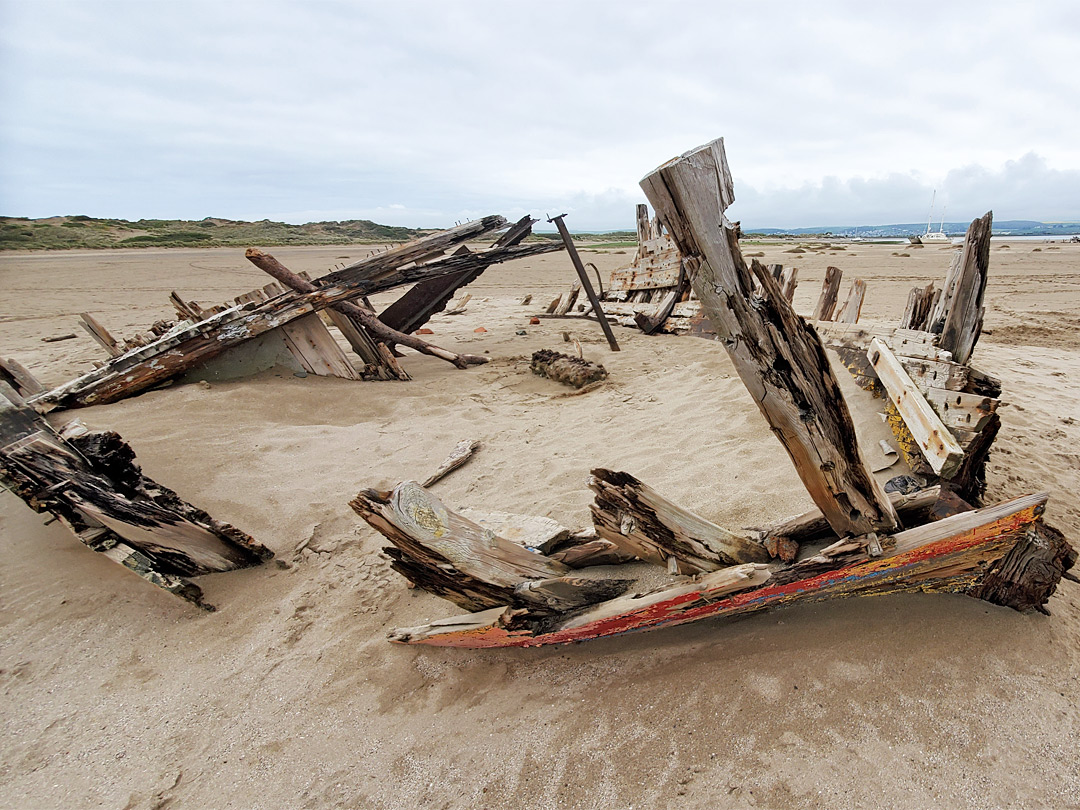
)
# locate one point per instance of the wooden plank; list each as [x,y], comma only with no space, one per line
[960,410]
[461,453]
[789,280]
[928,374]
[17,376]
[830,289]
[949,556]
[375,363]
[941,450]
[964,319]
[427,298]
[645,524]
[315,348]
[849,312]
[778,356]
[568,299]
[100,334]
[530,531]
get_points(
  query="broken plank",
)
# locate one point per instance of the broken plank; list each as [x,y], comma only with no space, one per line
[642,522]
[16,375]
[959,410]
[830,289]
[461,453]
[849,312]
[939,448]
[964,318]
[100,334]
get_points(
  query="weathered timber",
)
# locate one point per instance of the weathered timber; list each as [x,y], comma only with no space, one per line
[531,531]
[593,552]
[100,334]
[783,539]
[1026,577]
[644,523]
[59,338]
[567,300]
[376,328]
[90,481]
[919,305]
[517,232]
[416,307]
[650,323]
[960,410]
[935,321]
[316,350]
[964,318]
[452,557]
[849,312]
[948,556]
[778,356]
[969,482]
[22,381]
[373,267]
[830,290]
[379,362]
[461,453]
[941,450]
[789,280]
[189,345]
[563,368]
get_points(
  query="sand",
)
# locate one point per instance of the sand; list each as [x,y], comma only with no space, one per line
[119,695]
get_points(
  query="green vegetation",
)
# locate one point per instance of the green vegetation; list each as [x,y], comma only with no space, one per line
[61,233]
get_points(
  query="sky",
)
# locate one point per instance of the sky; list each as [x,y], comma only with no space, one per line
[428,113]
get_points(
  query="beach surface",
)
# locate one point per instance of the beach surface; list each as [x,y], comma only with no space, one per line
[119,695]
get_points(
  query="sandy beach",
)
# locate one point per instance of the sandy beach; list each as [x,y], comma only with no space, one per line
[119,695]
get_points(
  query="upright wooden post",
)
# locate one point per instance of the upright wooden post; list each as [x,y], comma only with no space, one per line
[963,321]
[778,356]
[849,312]
[829,292]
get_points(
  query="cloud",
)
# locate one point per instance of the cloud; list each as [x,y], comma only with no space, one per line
[243,109]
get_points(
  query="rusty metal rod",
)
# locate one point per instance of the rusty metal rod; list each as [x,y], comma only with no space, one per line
[585,283]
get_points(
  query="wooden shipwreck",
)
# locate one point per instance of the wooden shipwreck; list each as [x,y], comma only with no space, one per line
[284,316]
[91,483]
[859,540]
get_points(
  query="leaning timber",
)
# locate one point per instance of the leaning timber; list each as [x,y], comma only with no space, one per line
[91,483]
[963,321]
[779,358]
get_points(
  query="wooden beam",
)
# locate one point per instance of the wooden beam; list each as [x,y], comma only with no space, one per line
[963,321]
[778,356]
[941,450]
[22,381]
[645,524]
[830,289]
[959,410]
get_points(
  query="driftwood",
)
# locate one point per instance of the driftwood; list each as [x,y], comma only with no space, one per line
[830,290]
[780,359]
[572,371]
[964,318]
[949,556]
[461,453]
[643,523]
[90,481]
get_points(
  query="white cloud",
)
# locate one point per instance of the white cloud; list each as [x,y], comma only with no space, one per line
[829,110]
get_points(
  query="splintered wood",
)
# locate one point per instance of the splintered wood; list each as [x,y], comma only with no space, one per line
[90,482]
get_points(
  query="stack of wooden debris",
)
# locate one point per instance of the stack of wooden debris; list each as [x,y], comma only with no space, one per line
[91,483]
[285,316]
[860,540]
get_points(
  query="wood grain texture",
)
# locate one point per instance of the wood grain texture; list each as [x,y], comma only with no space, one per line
[830,290]
[964,317]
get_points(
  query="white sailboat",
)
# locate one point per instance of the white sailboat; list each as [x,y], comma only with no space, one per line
[939,236]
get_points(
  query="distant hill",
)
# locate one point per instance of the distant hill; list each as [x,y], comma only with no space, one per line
[1006,227]
[56,233]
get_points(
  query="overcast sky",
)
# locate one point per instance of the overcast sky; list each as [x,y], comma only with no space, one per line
[426,113]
